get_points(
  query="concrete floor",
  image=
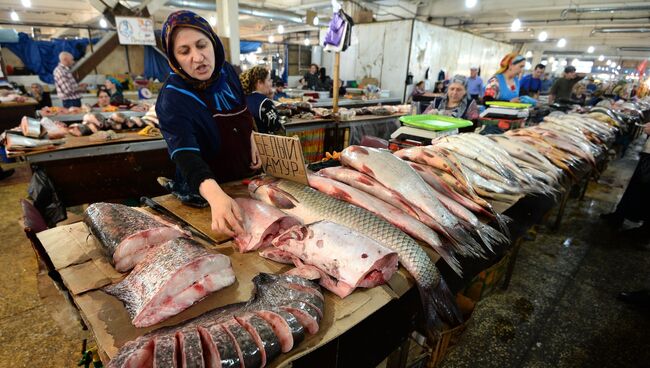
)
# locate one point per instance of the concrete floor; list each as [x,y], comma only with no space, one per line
[559,311]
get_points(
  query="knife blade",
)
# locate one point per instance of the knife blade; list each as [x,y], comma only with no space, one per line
[167,213]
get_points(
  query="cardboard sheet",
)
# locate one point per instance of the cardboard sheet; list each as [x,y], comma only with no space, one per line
[112,327]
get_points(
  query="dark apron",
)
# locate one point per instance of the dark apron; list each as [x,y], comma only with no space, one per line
[233,159]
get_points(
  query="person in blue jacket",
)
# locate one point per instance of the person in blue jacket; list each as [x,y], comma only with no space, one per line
[203,117]
[504,85]
[258,86]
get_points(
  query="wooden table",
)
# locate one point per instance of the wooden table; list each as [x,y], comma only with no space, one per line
[84,171]
[12,112]
[84,269]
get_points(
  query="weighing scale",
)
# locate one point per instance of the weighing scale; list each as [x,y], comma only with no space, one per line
[505,110]
[417,130]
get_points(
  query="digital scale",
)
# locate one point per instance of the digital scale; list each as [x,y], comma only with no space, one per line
[417,130]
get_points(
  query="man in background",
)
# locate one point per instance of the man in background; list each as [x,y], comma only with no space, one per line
[474,84]
[66,85]
[531,84]
[563,87]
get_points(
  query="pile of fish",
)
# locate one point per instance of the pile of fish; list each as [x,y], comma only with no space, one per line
[311,206]
[170,271]
[248,334]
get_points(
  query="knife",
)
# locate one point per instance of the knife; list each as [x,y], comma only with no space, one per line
[167,213]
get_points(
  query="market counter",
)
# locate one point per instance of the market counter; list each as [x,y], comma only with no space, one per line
[84,270]
[12,112]
[84,171]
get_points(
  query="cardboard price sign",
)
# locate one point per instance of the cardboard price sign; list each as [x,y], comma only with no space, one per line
[281,157]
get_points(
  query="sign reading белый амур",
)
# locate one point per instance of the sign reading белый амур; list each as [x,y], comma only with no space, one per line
[135,31]
[281,157]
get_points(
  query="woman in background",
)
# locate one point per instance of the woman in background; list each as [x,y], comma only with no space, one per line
[456,102]
[257,85]
[504,85]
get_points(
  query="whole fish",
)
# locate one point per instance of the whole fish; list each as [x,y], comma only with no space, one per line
[345,258]
[369,185]
[310,206]
[395,216]
[394,173]
[430,156]
[170,279]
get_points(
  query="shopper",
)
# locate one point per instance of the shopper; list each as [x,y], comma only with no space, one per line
[418,90]
[311,78]
[474,84]
[279,91]
[257,86]
[66,86]
[43,98]
[635,203]
[456,102]
[504,86]
[203,117]
[531,84]
[561,90]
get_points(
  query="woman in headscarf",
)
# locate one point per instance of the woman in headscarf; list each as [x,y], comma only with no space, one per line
[504,85]
[43,98]
[456,102]
[203,117]
[257,85]
[114,88]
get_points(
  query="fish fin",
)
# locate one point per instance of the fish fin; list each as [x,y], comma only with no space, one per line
[491,236]
[341,194]
[463,241]
[439,305]
[363,179]
[502,221]
[280,199]
[366,170]
[358,149]
[449,258]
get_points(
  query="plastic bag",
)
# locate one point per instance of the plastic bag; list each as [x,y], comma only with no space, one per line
[43,194]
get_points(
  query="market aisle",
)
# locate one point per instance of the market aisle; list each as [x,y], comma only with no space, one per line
[38,328]
[561,308]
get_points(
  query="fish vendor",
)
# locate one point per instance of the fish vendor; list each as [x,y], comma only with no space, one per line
[203,116]
[456,102]
[504,85]
[257,85]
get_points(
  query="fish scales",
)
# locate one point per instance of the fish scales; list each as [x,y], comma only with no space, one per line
[220,333]
[178,264]
[314,206]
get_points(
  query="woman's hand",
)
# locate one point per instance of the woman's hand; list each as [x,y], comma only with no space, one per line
[256,161]
[516,99]
[226,214]
[646,128]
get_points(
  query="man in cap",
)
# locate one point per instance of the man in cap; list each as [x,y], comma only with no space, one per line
[562,88]
[474,84]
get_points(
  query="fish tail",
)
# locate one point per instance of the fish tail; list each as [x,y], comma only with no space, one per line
[502,221]
[439,306]
[464,242]
[491,236]
[450,258]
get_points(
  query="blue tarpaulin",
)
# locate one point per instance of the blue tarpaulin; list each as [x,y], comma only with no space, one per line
[246,47]
[155,64]
[41,57]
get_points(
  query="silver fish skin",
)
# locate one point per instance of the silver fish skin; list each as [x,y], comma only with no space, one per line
[310,206]
[386,211]
[170,279]
[395,174]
